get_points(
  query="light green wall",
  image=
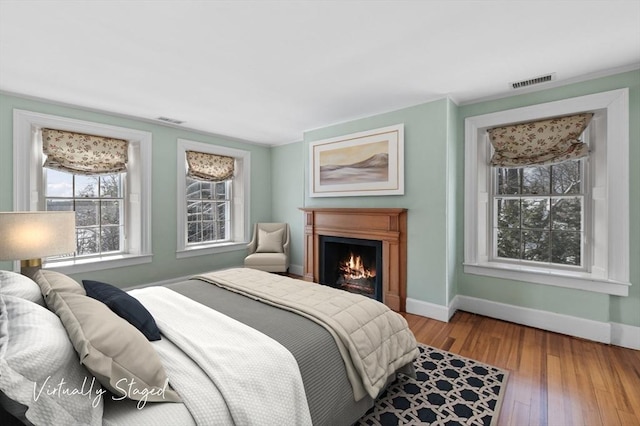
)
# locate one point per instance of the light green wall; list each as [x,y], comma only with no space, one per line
[595,306]
[164,265]
[434,195]
[287,167]
[425,138]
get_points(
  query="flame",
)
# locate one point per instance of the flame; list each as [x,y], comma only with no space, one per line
[354,269]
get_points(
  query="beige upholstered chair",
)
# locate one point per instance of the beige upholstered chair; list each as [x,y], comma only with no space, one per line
[269,247]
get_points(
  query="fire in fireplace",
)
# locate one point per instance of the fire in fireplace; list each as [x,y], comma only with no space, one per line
[352,264]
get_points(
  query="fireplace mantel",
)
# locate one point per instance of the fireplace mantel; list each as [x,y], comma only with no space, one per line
[386,225]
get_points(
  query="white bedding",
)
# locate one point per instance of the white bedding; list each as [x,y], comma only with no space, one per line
[256,380]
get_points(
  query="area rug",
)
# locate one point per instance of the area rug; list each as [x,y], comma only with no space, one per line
[449,390]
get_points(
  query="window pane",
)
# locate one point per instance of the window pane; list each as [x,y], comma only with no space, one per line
[566,178]
[111,186]
[508,181]
[110,213]
[193,188]
[110,239]
[57,205]
[86,186]
[59,184]
[535,213]
[221,211]
[86,213]
[221,190]
[207,190]
[535,246]
[87,241]
[565,248]
[194,211]
[207,211]
[208,231]
[194,232]
[222,230]
[566,213]
[536,180]
[508,212]
[508,243]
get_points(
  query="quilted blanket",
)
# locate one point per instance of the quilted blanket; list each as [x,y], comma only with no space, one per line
[373,340]
[257,378]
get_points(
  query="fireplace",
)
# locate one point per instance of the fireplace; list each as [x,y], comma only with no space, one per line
[352,264]
[387,226]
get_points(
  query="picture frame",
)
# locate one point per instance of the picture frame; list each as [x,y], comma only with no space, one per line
[367,163]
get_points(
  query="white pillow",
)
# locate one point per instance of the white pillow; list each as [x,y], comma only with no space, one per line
[17,285]
[270,242]
[35,355]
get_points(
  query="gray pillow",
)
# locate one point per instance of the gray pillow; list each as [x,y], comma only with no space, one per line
[120,356]
[270,242]
[18,285]
[52,280]
[35,355]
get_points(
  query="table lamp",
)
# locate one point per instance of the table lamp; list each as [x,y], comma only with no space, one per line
[31,236]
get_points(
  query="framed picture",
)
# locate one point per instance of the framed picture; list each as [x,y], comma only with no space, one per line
[365,163]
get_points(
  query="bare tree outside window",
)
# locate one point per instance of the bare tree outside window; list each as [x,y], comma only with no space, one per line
[538,214]
[208,211]
[98,202]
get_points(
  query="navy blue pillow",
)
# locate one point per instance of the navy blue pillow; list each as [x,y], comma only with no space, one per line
[125,306]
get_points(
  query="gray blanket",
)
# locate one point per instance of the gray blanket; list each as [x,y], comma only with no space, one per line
[329,394]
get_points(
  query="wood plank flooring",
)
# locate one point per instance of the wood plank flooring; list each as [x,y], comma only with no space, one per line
[554,379]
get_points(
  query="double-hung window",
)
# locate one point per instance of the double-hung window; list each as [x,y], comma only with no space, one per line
[212,198]
[550,216]
[101,172]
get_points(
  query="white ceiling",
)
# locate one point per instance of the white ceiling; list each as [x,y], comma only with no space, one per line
[266,71]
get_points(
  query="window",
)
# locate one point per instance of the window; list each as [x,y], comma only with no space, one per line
[208,211]
[538,215]
[99,205]
[113,214]
[212,215]
[566,224]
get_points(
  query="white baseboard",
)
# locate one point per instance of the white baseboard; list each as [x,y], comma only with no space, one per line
[625,335]
[551,321]
[429,310]
[296,269]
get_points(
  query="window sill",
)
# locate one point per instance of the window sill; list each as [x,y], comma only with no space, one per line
[97,264]
[568,279]
[211,249]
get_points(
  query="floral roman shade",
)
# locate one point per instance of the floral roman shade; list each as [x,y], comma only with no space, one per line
[209,167]
[540,142]
[83,154]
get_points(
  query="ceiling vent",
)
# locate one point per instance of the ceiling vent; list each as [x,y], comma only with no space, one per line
[170,120]
[532,81]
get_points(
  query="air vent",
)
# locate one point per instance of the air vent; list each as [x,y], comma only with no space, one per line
[170,120]
[532,81]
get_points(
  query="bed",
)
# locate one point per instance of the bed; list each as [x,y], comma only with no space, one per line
[237,346]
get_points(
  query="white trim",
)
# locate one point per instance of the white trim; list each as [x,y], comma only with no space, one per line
[609,269]
[429,310]
[551,84]
[550,321]
[27,182]
[296,270]
[627,336]
[241,190]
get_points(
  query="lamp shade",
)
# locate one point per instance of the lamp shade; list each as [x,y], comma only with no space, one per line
[30,235]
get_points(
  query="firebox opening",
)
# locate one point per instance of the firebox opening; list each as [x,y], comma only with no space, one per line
[352,264]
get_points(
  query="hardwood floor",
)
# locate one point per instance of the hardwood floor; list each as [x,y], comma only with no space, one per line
[554,379]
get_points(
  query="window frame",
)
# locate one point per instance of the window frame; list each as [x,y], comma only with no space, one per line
[608,243]
[239,204]
[28,181]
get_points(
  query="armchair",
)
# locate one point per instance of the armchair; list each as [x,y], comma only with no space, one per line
[269,247]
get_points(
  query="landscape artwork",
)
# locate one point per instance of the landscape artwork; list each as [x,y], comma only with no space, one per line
[365,163]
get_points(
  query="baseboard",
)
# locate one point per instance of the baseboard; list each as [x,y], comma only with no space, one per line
[429,310]
[627,336]
[296,269]
[550,321]
[159,283]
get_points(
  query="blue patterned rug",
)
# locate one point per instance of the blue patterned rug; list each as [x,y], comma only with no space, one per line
[449,390]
